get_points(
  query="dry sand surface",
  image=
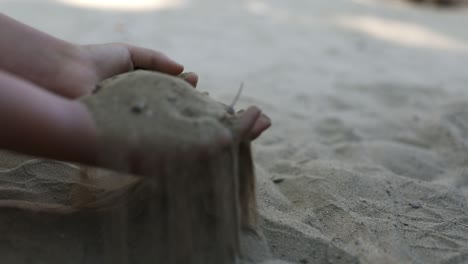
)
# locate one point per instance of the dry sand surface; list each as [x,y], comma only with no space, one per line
[367,159]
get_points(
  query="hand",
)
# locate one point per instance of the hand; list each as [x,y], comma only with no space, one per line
[115,58]
[71,70]
[90,64]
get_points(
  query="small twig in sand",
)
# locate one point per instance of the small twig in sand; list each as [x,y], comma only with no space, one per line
[231,106]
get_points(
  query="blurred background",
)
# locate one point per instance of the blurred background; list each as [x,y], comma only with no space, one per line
[308,46]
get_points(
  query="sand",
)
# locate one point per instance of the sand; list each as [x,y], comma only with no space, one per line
[193,195]
[367,161]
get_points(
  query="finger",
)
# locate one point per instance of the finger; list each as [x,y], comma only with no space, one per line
[246,122]
[148,59]
[190,77]
[262,124]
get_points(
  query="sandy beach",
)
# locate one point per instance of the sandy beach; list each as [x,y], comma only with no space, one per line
[367,158]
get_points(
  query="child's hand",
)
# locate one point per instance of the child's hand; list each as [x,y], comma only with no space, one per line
[94,63]
[115,58]
[71,70]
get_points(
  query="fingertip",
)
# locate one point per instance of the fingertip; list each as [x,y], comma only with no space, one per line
[171,67]
[178,68]
[247,121]
[167,64]
[253,112]
[262,124]
[153,60]
[192,78]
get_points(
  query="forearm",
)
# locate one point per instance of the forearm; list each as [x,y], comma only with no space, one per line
[34,121]
[34,55]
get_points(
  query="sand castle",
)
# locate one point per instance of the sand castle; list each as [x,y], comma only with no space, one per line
[195,197]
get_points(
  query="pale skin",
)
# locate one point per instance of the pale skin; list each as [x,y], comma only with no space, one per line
[42,76]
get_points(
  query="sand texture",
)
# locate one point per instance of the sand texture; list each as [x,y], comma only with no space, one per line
[367,158]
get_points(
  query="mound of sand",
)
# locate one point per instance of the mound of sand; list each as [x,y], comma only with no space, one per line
[189,208]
